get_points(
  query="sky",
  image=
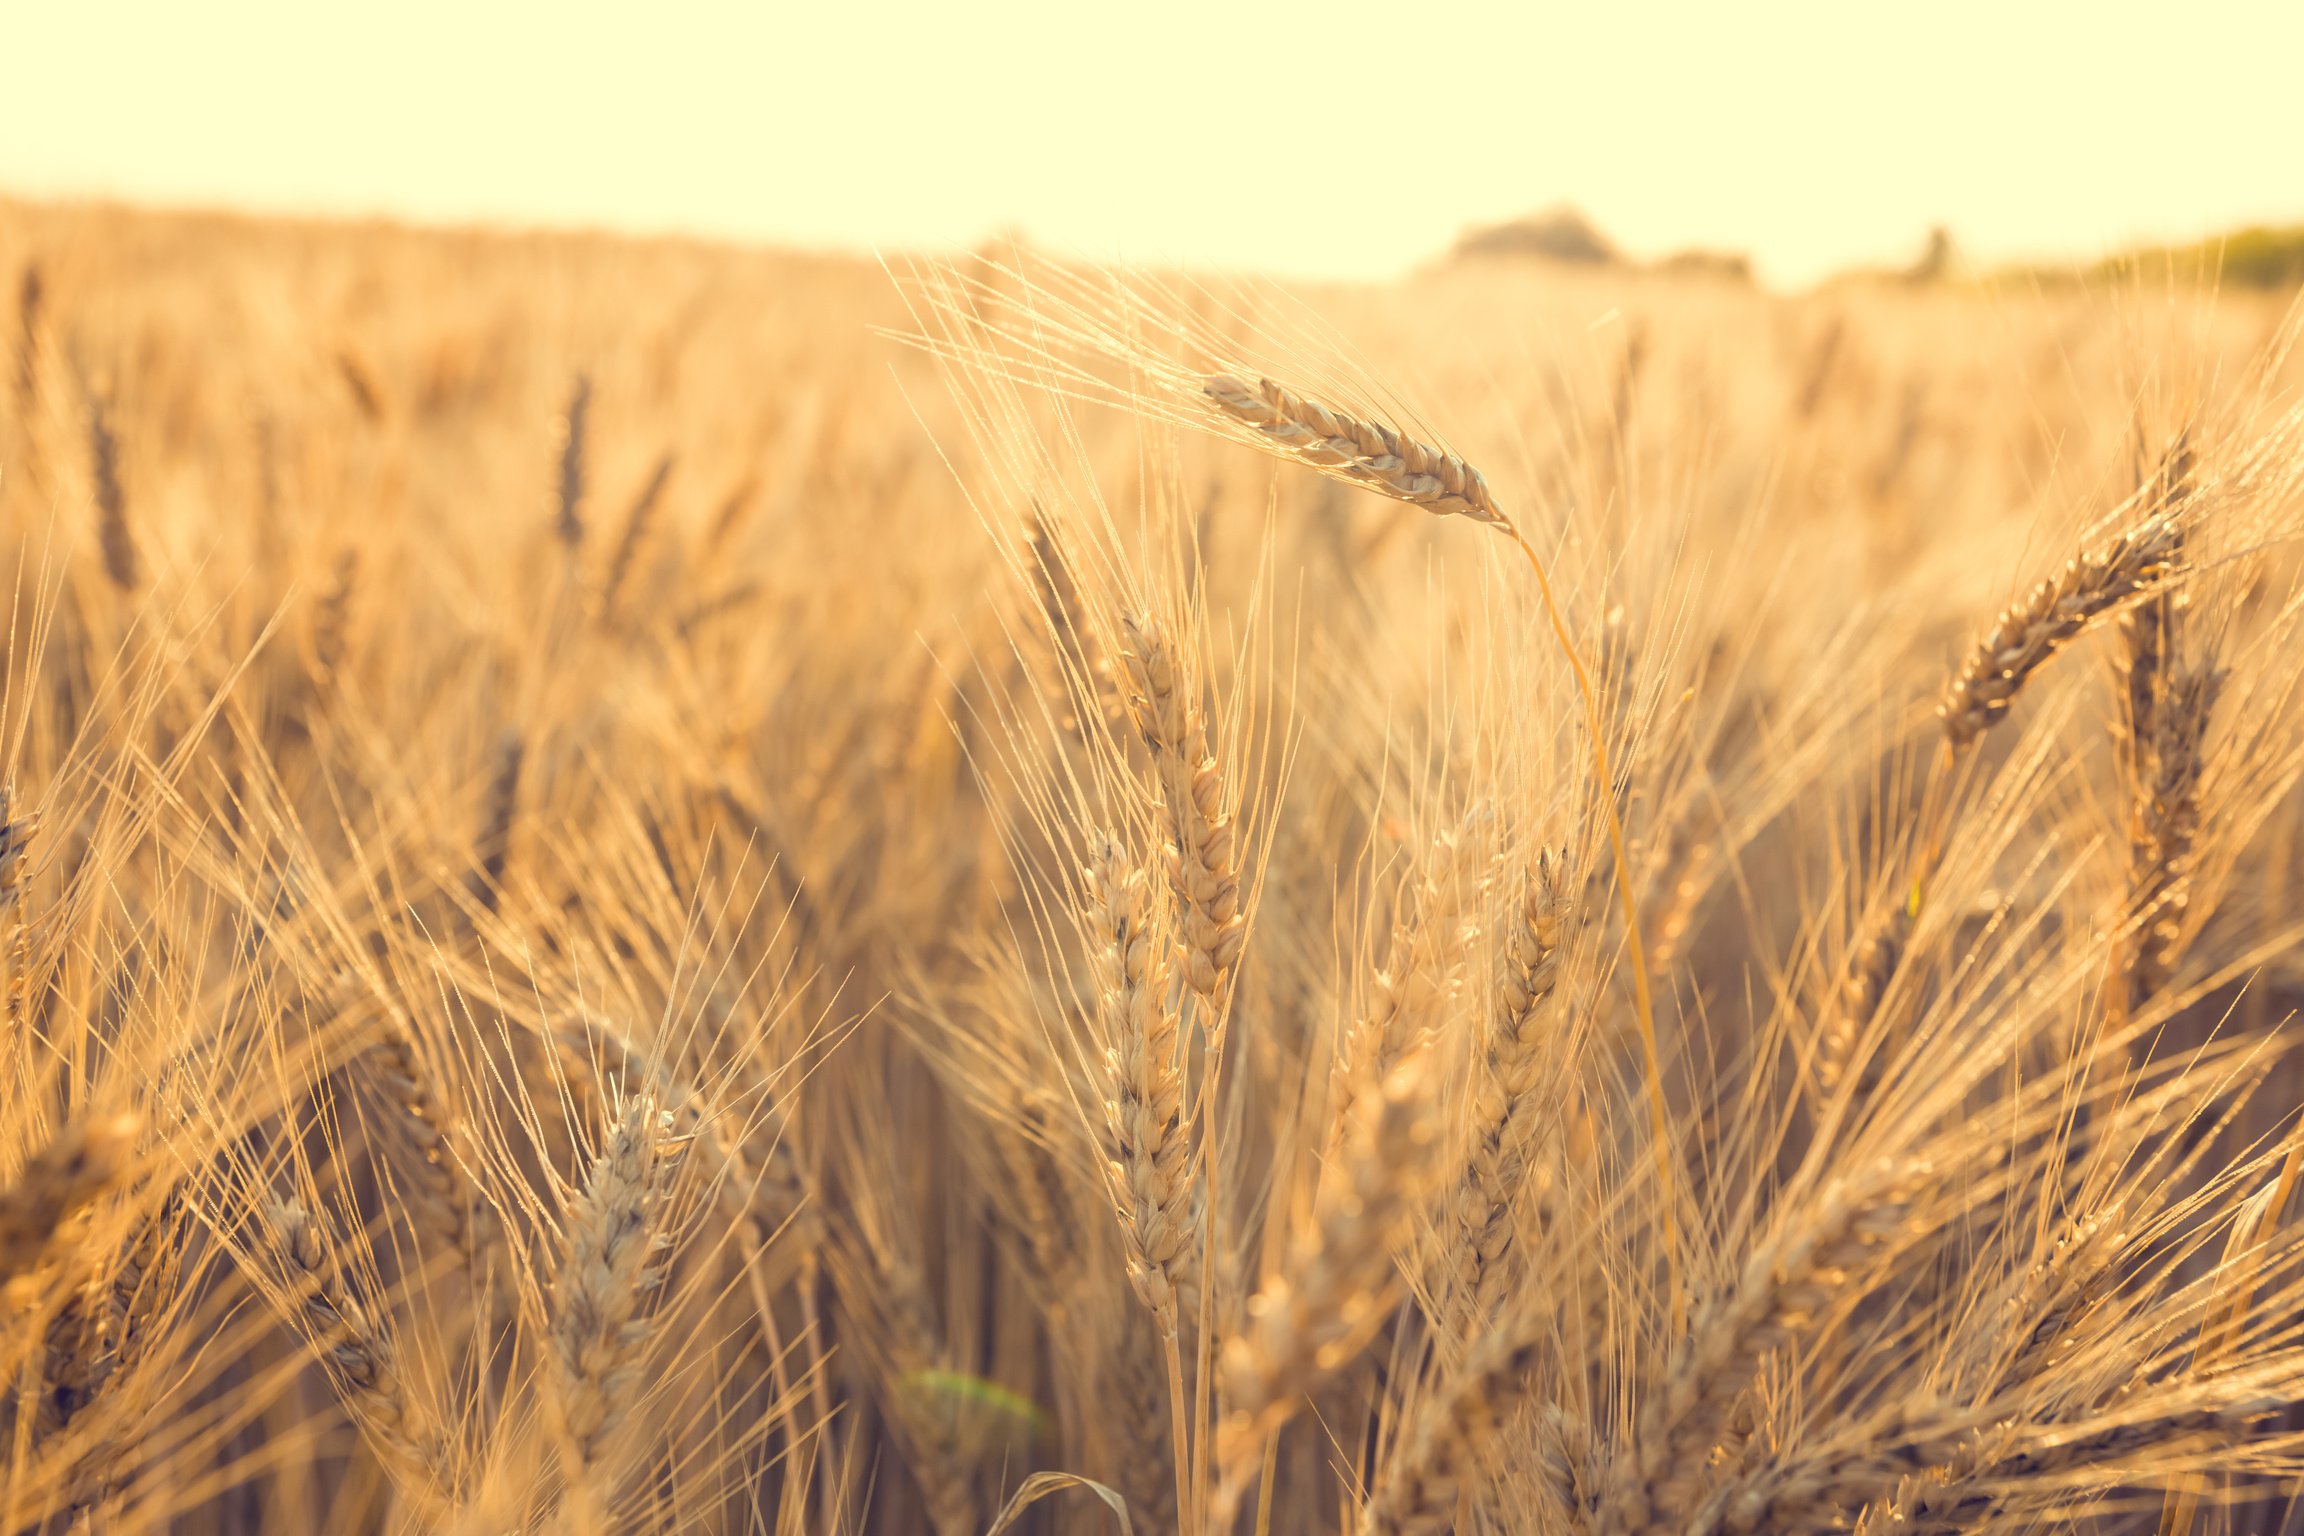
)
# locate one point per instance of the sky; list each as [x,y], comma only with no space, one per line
[1340,139]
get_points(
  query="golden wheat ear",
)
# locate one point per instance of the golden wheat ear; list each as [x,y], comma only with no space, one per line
[1365,453]
[2030,631]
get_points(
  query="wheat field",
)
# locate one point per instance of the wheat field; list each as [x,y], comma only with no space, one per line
[652,887]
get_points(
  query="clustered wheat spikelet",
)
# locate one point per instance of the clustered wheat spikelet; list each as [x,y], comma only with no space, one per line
[2033,629]
[501,813]
[17,829]
[1786,1285]
[1508,1100]
[1309,1317]
[1863,987]
[614,1249]
[331,623]
[1202,859]
[1151,1161]
[1364,452]
[1440,1465]
[436,1190]
[1410,993]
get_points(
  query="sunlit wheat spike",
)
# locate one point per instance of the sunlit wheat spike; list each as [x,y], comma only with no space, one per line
[331,621]
[612,1261]
[1203,860]
[1150,1163]
[1332,1291]
[79,1163]
[31,293]
[1509,1100]
[1361,452]
[2031,631]
[1788,1282]
[494,844]
[1410,994]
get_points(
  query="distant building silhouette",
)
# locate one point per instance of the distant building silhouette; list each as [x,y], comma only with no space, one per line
[1556,234]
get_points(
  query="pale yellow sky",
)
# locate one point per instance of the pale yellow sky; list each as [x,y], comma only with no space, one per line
[1328,139]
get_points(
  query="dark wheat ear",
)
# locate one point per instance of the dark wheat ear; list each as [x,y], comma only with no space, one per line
[87,1157]
[354,1348]
[113,532]
[569,522]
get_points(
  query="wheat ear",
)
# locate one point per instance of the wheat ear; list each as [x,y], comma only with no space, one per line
[438,1192]
[112,530]
[2167,706]
[331,621]
[2032,630]
[637,524]
[354,1350]
[17,829]
[1788,1284]
[1508,1102]
[1151,1159]
[1332,1291]
[1202,861]
[1364,452]
[1443,1462]
[612,1260]
[1411,991]
[84,1159]
[494,844]
[569,523]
